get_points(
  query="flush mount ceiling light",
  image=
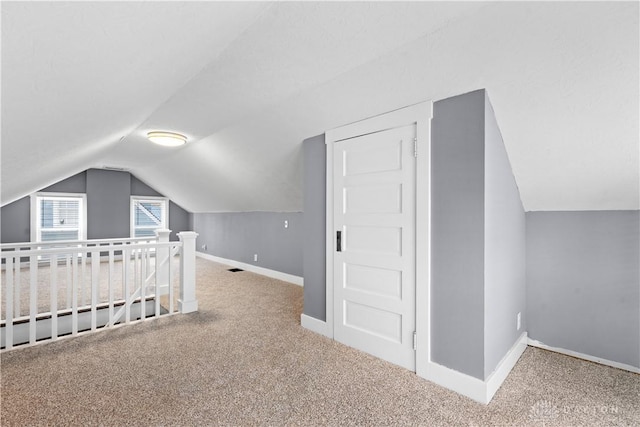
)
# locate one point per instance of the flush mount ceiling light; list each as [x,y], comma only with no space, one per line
[168,139]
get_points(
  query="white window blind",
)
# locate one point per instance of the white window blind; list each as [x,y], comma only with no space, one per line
[59,218]
[148,215]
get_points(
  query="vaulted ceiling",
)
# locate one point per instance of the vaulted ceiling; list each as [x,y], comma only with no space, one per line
[82,83]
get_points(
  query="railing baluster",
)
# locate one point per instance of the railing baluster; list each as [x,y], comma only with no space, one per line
[170,285]
[83,278]
[125,267]
[111,274]
[156,286]
[148,263]
[69,278]
[143,283]
[8,328]
[74,294]
[125,260]
[33,297]
[16,296]
[53,268]
[95,280]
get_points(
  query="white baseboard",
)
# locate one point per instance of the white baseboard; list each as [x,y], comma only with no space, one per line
[315,325]
[497,377]
[595,359]
[296,280]
[461,383]
[474,388]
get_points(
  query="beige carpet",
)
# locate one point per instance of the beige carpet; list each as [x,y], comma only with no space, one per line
[243,359]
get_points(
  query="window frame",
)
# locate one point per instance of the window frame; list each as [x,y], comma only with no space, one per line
[36,199]
[132,212]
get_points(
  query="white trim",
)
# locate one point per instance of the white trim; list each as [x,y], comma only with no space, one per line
[423,239]
[132,219]
[186,306]
[420,114]
[315,325]
[46,263]
[387,120]
[285,277]
[583,356]
[474,388]
[330,243]
[497,377]
[35,226]
[463,384]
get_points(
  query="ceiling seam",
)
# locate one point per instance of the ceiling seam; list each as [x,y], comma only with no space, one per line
[186,82]
[318,85]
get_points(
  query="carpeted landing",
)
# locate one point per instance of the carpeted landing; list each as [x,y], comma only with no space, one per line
[244,359]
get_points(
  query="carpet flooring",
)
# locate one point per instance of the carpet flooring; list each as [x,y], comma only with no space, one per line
[243,359]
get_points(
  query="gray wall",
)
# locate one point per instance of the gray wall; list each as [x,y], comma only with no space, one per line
[478,239]
[139,188]
[504,249]
[315,184]
[240,235]
[457,233]
[583,282]
[108,206]
[16,224]
[74,184]
[179,220]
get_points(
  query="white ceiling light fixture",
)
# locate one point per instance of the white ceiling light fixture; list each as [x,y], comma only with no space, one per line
[167,139]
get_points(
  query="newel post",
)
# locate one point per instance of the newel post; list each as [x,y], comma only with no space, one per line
[187,302]
[162,267]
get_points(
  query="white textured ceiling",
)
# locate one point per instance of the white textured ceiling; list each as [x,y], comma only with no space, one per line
[82,82]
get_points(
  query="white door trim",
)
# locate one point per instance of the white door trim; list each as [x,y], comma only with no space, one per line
[419,114]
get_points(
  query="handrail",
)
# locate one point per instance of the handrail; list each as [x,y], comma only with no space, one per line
[121,282]
[85,249]
[78,243]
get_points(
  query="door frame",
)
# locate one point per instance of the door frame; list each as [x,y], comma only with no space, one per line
[419,114]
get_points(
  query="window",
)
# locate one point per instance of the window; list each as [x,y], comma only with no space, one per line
[58,216]
[148,214]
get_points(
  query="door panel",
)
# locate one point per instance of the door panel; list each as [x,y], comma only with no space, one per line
[379,156]
[375,239]
[381,281]
[371,320]
[374,198]
[374,273]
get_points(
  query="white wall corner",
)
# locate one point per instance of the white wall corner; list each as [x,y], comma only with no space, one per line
[315,325]
[474,388]
[285,277]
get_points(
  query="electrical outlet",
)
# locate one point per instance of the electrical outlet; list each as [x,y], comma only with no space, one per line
[255,257]
[518,323]
[204,247]
[286,224]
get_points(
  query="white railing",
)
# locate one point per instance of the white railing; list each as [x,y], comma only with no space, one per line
[54,289]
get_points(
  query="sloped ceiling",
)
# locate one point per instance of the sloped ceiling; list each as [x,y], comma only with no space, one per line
[82,83]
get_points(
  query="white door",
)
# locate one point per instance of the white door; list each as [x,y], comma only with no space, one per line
[374,181]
